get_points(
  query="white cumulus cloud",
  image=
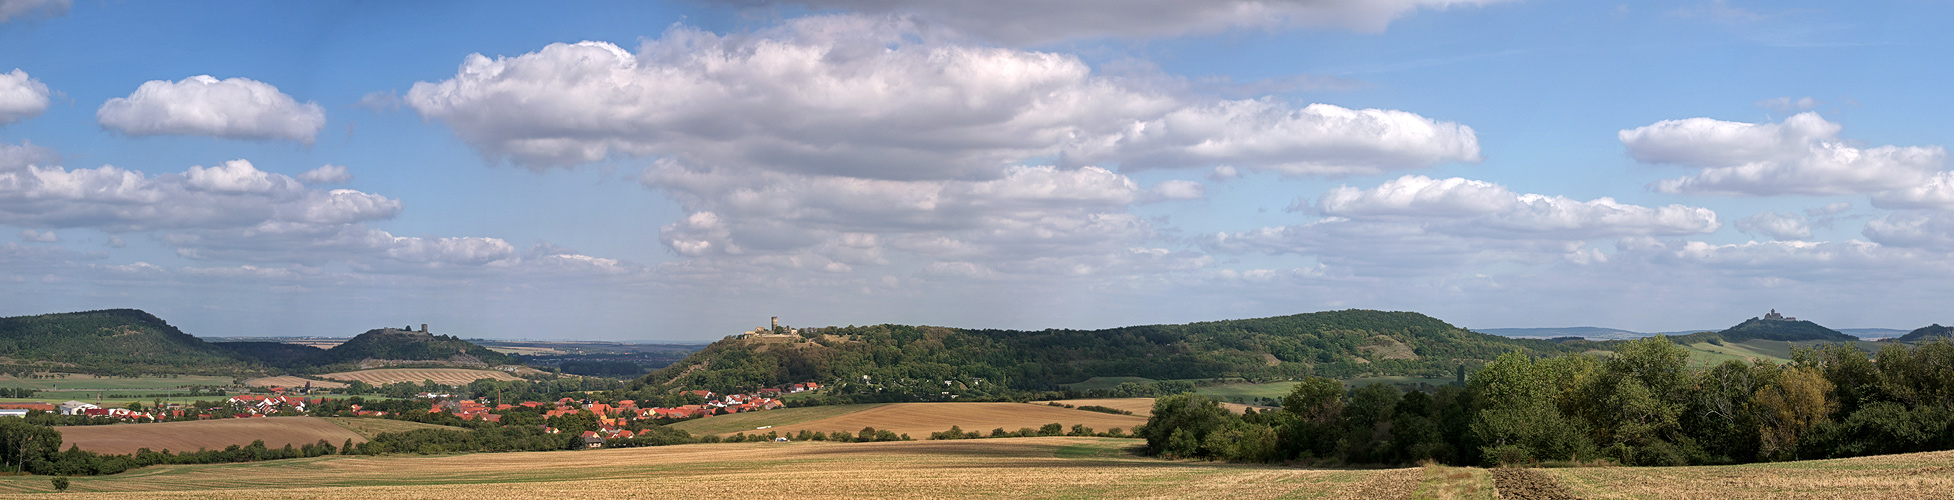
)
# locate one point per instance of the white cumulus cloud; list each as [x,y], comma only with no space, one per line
[1263,134]
[21,96]
[1801,155]
[234,108]
[1776,225]
[882,98]
[39,236]
[1473,207]
[326,174]
[1935,193]
[1031,21]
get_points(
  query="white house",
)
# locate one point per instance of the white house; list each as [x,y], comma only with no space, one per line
[75,407]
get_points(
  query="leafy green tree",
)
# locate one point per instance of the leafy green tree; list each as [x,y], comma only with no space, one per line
[1316,399]
[1181,422]
[1799,400]
[1517,416]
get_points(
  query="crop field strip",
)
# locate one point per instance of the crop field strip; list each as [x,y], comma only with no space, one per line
[920,419]
[293,381]
[1141,407]
[205,434]
[369,427]
[1021,467]
[92,382]
[751,421]
[446,376]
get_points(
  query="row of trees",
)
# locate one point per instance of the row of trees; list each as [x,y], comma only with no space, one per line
[1641,406]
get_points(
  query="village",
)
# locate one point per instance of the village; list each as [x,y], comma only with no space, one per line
[612,418]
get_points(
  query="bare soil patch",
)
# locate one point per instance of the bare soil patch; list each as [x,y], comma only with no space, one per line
[1526,484]
[205,434]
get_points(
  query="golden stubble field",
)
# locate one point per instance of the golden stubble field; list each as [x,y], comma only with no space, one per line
[987,468]
[205,434]
[1913,476]
[445,376]
[1053,467]
[920,419]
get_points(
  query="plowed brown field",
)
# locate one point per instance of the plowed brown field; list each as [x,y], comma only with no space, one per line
[446,376]
[920,419]
[205,434]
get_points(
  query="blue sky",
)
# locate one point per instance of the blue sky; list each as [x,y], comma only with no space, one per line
[681,171]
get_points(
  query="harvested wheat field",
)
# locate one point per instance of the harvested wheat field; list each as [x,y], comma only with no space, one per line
[918,420]
[988,468]
[1912,475]
[447,376]
[205,434]
[1139,406]
[291,381]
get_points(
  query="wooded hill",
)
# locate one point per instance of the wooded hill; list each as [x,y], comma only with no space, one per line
[1785,330]
[378,344]
[130,342]
[121,342]
[899,360]
[1927,333]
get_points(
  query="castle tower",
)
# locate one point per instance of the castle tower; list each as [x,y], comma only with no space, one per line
[423,327]
[776,322]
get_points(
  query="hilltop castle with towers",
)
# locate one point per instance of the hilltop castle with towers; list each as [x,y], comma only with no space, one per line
[1774,316]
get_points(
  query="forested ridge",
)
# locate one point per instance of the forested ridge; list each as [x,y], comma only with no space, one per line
[122,342]
[388,343]
[131,342]
[902,361]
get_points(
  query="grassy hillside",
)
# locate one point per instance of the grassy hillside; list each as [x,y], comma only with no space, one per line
[903,362]
[123,342]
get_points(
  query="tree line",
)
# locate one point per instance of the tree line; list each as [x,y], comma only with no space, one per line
[1642,405]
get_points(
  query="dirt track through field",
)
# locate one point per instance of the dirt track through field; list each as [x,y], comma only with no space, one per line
[918,420]
[1526,484]
[205,434]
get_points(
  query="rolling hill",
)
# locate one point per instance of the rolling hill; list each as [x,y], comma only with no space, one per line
[1927,333]
[378,347]
[907,363]
[1782,329]
[124,342]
